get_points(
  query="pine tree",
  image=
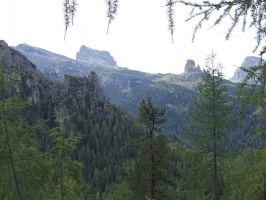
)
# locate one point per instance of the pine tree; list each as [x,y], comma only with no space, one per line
[211,119]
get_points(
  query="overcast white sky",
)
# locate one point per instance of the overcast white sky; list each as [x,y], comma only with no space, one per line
[138,37]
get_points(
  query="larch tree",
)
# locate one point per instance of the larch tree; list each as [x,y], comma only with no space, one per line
[67,171]
[211,119]
[250,12]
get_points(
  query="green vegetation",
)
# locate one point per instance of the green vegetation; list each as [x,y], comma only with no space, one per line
[66,141]
[150,171]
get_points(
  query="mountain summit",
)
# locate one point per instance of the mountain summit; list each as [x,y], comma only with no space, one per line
[249,61]
[95,57]
[191,72]
[190,67]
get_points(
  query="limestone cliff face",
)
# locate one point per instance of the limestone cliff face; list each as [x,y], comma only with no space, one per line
[95,57]
[191,72]
[21,74]
[190,67]
[104,128]
[249,61]
[46,96]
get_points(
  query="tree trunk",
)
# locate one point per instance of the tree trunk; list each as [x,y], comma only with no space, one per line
[62,169]
[215,177]
[152,181]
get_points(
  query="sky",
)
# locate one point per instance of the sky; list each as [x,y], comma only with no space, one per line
[138,38]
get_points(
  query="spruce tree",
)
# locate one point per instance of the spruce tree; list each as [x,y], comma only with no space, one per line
[150,171]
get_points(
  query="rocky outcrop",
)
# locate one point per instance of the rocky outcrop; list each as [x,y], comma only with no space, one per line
[249,61]
[21,73]
[45,96]
[82,92]
[190,67]
[95,57]
[191,72]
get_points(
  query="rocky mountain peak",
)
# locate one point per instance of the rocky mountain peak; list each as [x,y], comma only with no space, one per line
[249,61]
[14,58]
[3,44]
[190,67]
[95,57]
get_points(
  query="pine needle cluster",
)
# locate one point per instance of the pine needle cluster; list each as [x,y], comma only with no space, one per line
[250,12]
[70,8]
[112,7]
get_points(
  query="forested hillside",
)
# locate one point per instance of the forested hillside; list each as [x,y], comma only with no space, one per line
[75,109]
[65,140]
[126,88]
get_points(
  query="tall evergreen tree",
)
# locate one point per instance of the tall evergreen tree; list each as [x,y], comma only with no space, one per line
[211,119]
[67,171]
[150,171]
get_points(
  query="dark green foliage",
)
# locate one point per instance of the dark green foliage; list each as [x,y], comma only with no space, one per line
[120,191]
[194,179]
[103,148]
[42,157]
[104,129]
[151,116]
[152,178]
[243,175]
[149,177]
[66,174]
[22,165]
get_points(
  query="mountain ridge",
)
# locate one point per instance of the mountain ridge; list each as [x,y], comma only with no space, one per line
[95,57]
[104,128]
[126,88]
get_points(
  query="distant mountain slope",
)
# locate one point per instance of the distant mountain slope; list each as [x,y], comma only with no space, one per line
[122,86]
[53,65]
[126,88]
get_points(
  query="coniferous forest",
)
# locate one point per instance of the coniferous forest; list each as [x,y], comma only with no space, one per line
[67,141]
[64,139]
